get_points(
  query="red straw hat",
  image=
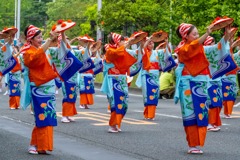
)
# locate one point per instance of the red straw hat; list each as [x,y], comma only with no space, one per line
[10,31]
[138,36]
[161,45]
[83,40]
[62,25]
[236,43]
[159,36]
[3,35]
[233,31]
[221,22]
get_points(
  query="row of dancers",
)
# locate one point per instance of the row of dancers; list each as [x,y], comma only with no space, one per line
[206,76]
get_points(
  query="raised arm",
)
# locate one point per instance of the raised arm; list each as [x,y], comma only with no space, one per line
[203,37]
[227,33]
[48,42]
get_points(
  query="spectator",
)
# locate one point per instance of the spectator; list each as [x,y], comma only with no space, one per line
[167,84]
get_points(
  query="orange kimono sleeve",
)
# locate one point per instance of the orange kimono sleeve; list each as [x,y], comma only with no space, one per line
[113,54]
[193,57]
[34,57]
[124,62]
[189,51]
[40,71]
[121,59]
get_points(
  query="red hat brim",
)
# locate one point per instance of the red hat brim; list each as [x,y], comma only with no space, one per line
[161,45]
[3,35]
[233,31]
[159,36]
[138,37]
[69,25]
[236,43]
[10,31]
[84,40]
[221,23]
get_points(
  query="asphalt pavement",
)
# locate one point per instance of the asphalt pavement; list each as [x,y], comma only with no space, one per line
[87,138]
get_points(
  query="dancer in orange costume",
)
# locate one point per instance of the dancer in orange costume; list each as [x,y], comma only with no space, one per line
[192,83]
[41,87]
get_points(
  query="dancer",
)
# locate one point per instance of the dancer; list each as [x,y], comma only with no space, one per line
[118,62]
[191,84]
[148,77]
[85,75]
[41,87]
[214,93]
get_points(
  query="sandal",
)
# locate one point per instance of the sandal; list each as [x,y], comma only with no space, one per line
[112,130]
[32,150]
[64,120]
[213,129]
[227,116]
[195,151]
[70,119]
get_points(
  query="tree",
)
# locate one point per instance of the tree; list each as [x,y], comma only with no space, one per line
[6,13]
[201,13]
[153,15]
[69,9]
[125,16]
[35,14]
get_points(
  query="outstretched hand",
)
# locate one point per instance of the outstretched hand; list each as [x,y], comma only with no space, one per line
[53,35]
[147,42]
[129,42]
[228,29]
[209,29]
[227,35]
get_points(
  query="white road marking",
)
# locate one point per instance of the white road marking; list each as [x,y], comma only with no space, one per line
[165,115]
[15,120]
[173,116]
[237,105]
[99,95]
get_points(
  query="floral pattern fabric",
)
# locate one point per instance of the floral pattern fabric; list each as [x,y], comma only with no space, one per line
[69,89]
[199,95]
[119,96]
[7,62]
[166,61]
[193,100]
[44,102]
[86,83]
[220,59]
[215,93]
[229,88]
[14,83]
[150,88]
